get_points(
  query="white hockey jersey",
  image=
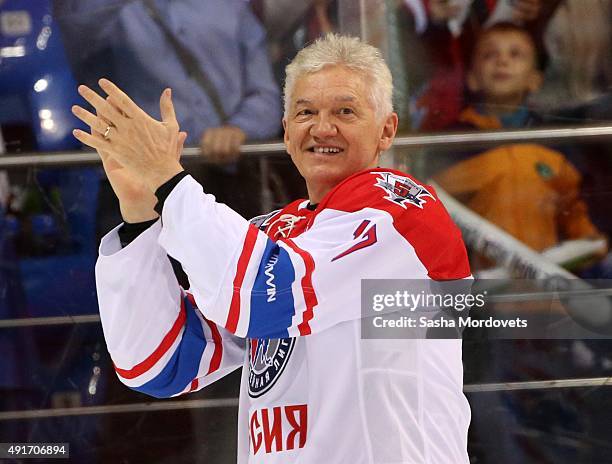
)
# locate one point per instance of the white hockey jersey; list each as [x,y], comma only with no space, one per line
[284,304]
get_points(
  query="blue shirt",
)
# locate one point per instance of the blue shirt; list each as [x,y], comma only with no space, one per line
[223,35]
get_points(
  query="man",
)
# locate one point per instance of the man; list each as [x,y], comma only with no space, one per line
[283,301]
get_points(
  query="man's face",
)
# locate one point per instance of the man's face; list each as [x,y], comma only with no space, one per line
[504,68]
[332,130]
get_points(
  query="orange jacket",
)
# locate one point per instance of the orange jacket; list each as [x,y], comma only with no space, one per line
[528,190]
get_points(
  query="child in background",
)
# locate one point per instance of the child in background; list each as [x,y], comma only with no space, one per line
[529,190]
[448,31]
[532,192]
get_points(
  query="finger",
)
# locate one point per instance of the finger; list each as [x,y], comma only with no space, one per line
[206,142]
[97,143]
[120,98]
[166,108]
[103,108]
[227,151]
[217,146]
[235,148]
[93,121]
[110,101]
[180,143]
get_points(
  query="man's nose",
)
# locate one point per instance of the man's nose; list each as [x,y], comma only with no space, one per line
[323,127]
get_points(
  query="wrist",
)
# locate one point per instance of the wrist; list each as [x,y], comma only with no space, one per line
[132,214]
[157,179]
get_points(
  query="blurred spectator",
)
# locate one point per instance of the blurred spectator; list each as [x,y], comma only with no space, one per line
[578,88]
[223,36]
[577,41]
[594,160]
[211,53]
[449,29]
[532,192]
[528,190]
[291,25]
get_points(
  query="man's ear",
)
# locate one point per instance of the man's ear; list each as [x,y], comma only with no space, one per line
[286,135]
[472,82]
[388,132]
[535,81]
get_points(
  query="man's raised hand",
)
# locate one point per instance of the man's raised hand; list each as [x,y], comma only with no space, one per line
[147,148]
[136,199]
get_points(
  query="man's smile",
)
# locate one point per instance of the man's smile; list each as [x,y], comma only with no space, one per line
[325,149]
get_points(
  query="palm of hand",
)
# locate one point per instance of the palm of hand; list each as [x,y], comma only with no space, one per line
[127,187]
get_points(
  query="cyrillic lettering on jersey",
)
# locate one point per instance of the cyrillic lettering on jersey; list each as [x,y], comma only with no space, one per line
[279,428]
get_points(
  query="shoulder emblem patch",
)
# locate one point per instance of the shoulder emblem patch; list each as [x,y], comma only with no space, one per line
[402,190]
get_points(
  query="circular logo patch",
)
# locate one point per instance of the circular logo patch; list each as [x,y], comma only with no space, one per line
[267,361]
[544,170]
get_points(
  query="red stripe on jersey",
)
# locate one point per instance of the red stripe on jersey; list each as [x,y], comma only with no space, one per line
[194,385]
[163,347]
[243,261]
[307,288]
[191,299]
[215,360]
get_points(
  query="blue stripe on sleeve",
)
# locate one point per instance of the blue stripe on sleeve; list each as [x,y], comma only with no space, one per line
[272,305]
[183,366]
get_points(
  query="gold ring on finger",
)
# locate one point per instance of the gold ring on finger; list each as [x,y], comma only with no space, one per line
[106,134]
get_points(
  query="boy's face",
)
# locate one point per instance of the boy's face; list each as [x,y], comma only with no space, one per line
[504,68]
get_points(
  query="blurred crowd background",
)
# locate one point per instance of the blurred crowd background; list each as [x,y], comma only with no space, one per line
[459,66]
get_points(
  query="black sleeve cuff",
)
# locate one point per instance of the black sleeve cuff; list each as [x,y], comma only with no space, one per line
[165,189]
[128,232]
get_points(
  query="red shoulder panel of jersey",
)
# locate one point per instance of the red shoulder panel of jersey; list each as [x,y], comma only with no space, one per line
[418,215]
[368,189]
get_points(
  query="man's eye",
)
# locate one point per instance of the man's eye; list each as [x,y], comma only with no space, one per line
[304,112]
[346,111]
